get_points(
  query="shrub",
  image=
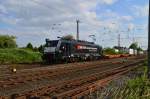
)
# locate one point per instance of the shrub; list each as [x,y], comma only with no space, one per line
[19,56]
[29,46]
[7,41]
[109,51]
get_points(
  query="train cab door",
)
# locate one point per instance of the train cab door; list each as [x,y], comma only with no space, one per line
[68,49]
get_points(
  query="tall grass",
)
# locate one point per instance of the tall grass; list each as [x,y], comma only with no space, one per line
[17,55]
[137,88]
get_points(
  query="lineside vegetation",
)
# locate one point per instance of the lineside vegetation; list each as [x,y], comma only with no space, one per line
[134,88]
[10,53]
[16,55]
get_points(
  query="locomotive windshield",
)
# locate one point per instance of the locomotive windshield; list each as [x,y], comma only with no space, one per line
[52,43]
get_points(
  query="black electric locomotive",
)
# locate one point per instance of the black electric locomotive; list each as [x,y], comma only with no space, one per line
[70,51]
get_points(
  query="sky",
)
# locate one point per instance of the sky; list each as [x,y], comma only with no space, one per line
[35,20]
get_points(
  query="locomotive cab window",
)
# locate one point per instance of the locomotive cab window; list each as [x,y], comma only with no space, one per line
[52,43]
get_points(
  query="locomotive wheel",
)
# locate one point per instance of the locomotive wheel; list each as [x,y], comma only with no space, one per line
[91,58]
[66,60]
[72,60]
[82,59]
[76,59]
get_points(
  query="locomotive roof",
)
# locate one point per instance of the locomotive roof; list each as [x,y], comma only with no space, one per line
[75,41]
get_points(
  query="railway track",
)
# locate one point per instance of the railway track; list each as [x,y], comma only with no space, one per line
[96,83]
[22,68]
[36,74]
[61,85]
[9,81]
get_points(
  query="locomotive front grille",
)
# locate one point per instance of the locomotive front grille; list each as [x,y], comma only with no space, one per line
[50,57]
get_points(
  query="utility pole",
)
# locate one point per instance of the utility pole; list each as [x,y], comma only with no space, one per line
[149,44]
[133,37]
[78,29]
[118,40]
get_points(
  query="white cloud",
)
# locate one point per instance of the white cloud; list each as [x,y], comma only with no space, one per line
[108,1]
[131,26]
[35,18]
[2,10]
[141,11]
[127,18]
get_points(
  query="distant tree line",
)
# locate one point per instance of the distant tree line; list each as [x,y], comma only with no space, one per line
[7,41]
[109,51]
[135,47]
[30,46]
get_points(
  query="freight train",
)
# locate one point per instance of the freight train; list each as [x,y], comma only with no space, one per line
[70,51]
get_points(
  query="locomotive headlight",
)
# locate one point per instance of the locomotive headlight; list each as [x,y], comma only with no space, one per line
[72,55]
[60,51]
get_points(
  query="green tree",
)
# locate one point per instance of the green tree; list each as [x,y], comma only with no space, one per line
[41,48]
[35,49]
[109,51]
[134,46]
[7,41]
[29,46]
[139,49]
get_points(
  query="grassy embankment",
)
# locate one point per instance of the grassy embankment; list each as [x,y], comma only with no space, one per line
[16,55]
[137,88]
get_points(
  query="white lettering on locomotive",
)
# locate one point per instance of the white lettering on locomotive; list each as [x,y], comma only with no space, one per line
[92,49]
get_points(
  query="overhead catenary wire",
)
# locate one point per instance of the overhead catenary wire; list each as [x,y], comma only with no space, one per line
[41,3]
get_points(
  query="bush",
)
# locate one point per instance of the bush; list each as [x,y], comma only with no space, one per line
[41,48]
[29,46]
[19,56]
[137,88]
[110,51]
[7,41]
